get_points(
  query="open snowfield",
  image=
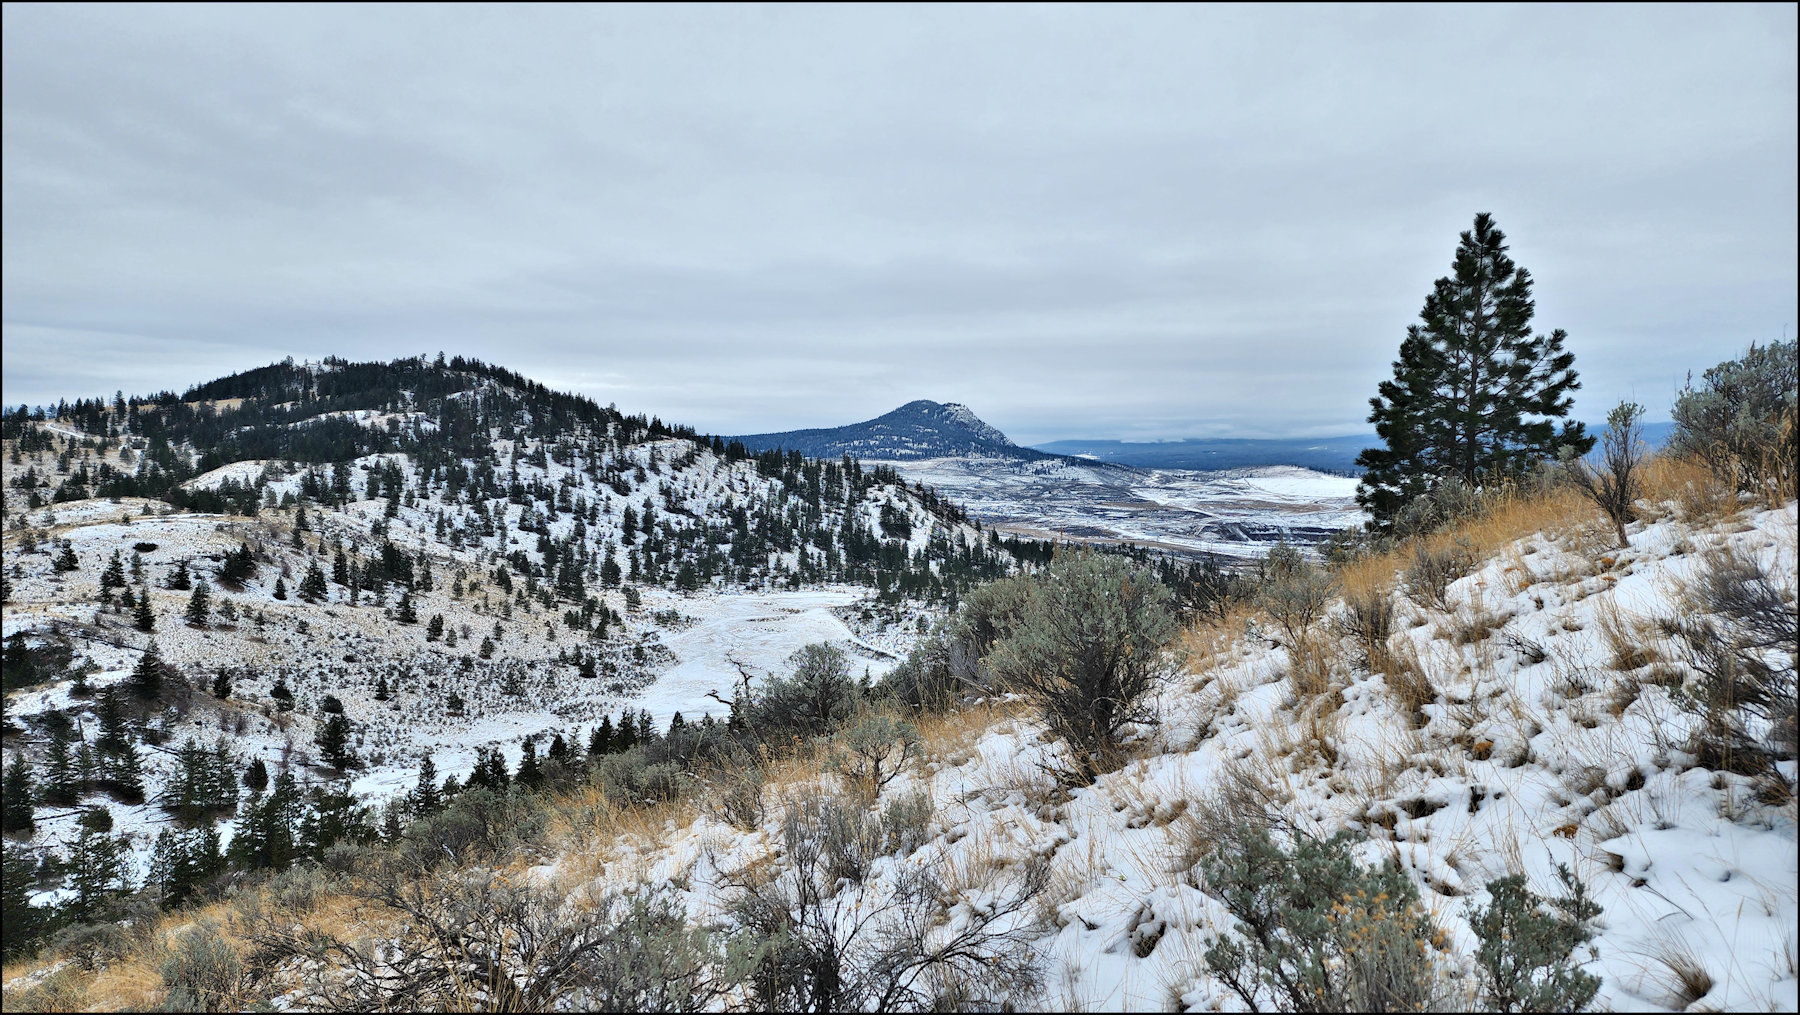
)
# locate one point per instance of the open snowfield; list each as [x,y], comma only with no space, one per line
[1239,513]
[754,634]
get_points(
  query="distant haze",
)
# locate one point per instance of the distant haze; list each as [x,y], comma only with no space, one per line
[1081,222]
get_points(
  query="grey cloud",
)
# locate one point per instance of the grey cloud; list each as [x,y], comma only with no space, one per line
[1081,221]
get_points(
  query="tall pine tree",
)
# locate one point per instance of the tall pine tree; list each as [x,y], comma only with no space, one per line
[1475,394]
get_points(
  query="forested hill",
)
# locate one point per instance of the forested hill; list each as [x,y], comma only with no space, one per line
[483,459]
[917,430]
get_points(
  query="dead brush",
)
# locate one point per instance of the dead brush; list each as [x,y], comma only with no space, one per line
[1630,638]
[1239,799]
[1688,489]
[1435,564]
[1310,669]
[1474,623]
[1400,665]
[1368,617]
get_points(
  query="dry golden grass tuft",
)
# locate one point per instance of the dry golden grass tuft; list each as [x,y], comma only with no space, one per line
[1400,665]
[951,736]
[1682,974]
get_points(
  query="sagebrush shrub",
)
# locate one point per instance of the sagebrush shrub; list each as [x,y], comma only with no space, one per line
[817,697]
[203,971]
[1317,931]
[1368,617]
[1086,649]
[1293,590]
[1741,421]
[1526,961]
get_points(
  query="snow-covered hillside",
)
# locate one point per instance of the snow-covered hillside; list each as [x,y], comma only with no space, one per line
[468,603]
[1547,732]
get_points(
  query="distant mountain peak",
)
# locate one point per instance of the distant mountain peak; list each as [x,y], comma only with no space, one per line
[919,429]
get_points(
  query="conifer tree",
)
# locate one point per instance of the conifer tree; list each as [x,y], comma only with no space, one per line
[144,617]
[180,581]
[240,567]
[221,685]
[267,835]
[256,776]
[113,737]
[382,692]
[340,568]
[24,922]
[600,742]
[61,787]
[404,611]
[280,589]
[284,698]
[96,866]
[114,575]
[147,676]
[530,775]
[15,796]
[435,629]
[427,795]
[125,774]
[199,606]
[1475,394]
[66,561]
[312,587]
[333,740]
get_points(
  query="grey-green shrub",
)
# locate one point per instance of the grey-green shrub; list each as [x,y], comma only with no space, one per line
[1368,617]
[1317,931]
[812,701]
[1741,421]
[1526,961]
[1293,590]
[203,972]
[1085,650]
[905,823]
[873,748]
[1743,642]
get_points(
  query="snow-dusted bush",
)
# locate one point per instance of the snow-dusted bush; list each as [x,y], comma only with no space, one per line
[1368,616]
[1293,590]
[1086,650]
[479,940]
[1526,959]
[812,702]
[873,748]
[812,936]
[1741,421]
[1743,641]
[1318,932]
[1432,570]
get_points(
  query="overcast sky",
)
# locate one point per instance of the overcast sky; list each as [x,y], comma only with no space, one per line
[1101,222]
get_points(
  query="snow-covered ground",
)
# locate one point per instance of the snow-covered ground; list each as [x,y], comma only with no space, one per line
[1542,747]
[1240,512]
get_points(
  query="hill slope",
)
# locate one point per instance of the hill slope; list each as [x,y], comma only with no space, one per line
[917,430]
[456,557]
